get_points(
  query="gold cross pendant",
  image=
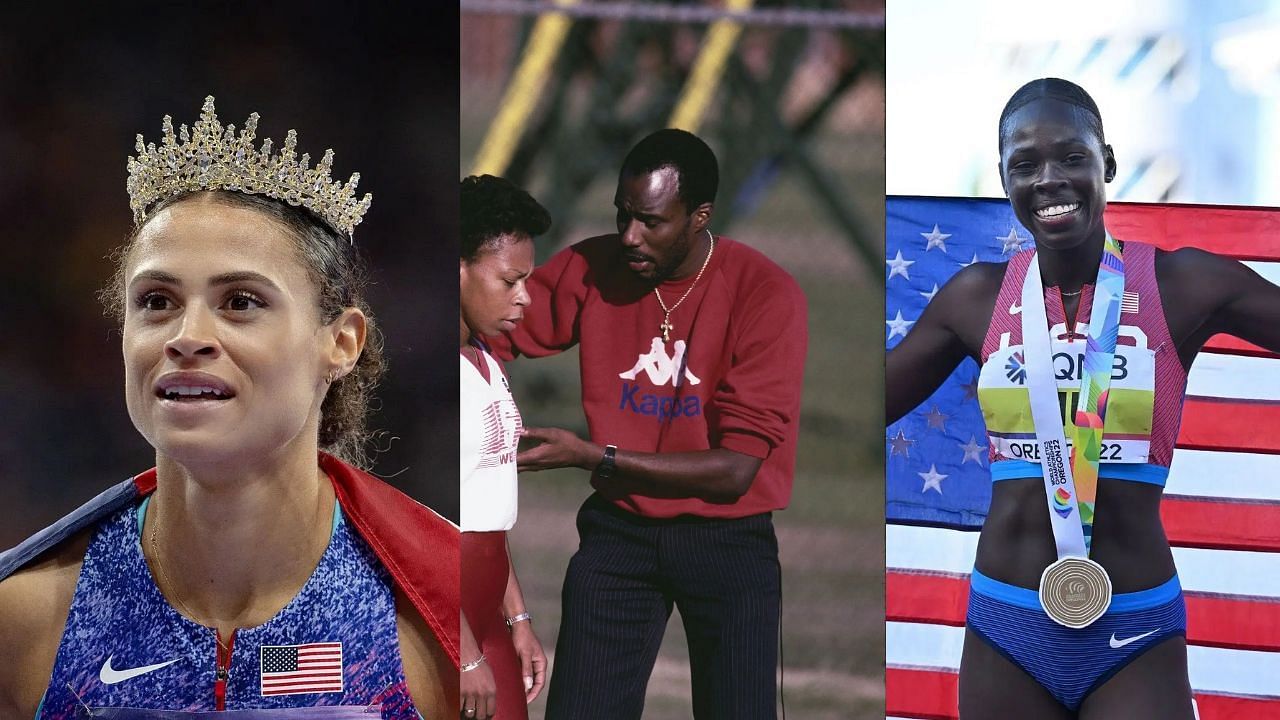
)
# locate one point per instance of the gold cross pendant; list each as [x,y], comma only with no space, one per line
[667,327]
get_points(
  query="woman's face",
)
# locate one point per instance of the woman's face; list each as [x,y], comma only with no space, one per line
[225,354]
[1055,168]
[492,294]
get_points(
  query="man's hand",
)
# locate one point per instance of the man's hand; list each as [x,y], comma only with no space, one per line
[557,448]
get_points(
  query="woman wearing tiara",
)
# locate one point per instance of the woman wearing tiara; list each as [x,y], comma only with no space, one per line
[1068,618]
[256,567]
[503,665]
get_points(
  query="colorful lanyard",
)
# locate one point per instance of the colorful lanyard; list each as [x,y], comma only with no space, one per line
[1095,381]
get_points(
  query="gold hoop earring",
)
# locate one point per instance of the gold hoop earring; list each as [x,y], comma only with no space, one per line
[333,375]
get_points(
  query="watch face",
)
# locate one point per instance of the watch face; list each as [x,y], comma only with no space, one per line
[605,469]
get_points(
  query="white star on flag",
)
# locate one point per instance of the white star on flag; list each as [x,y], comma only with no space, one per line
[971,262]
[935,239]
[898,266]
[932,479]
[1012,243]
[901,445]
[898,326]
[928,296]
[972,451]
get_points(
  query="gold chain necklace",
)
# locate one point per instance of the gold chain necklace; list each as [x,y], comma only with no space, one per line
[666,325]
[155,555]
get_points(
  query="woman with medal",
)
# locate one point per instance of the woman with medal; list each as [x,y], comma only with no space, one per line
[1068,617]
[248,571]
[503,664]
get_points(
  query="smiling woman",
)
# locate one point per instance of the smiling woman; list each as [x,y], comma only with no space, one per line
[249,569]
[1069,618]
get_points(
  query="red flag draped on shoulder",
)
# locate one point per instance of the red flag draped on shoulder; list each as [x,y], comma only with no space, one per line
[1221,507]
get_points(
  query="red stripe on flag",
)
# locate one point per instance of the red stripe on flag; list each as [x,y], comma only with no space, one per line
[927,694]
[1230,621]
[926,597]
[1232,345]
[1222,524]
[291,689]
[1236,622]
[934,695]
[299,683]
[1232,425]
[1229,707]
[320,674]
[1240,232]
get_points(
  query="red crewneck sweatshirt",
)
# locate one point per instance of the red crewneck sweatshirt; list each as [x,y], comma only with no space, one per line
[729,377]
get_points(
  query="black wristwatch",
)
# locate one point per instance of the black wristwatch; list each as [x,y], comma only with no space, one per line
[605,468]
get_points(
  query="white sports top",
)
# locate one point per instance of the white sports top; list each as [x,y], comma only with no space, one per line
[489,434]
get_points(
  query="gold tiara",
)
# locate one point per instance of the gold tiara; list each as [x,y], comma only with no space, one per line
[211,157]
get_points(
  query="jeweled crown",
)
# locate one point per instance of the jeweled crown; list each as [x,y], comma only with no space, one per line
[211,157]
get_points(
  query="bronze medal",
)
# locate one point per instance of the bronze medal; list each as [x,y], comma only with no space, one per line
[1075,591]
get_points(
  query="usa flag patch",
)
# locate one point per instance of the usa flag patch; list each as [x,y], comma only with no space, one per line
[1129,303]
[297,669]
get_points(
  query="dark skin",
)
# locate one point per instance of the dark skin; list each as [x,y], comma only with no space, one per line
[662,239]
[1050,157]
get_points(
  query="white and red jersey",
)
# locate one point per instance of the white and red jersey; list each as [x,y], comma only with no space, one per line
[490,431]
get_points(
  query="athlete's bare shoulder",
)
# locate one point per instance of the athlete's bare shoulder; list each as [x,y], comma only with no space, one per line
[951,328]
[968,299]
[34,603]
[1203,293]
[433,679]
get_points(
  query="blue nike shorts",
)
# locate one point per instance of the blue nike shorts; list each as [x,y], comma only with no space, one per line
[1069,663]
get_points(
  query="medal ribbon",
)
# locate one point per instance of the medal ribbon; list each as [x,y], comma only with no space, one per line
[1074,485]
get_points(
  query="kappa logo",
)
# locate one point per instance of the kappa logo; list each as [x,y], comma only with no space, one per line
[660,367]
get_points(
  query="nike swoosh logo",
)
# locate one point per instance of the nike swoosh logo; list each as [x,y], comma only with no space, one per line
[110,676]
[1015,309]
[1117,644]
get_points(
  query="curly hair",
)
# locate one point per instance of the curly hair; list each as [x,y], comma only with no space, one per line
[1053,89]
[340,276]
[492,207]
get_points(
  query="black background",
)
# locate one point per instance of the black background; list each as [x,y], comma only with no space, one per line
[79,80]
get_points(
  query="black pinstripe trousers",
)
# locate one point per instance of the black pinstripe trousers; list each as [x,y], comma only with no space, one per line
[723,577]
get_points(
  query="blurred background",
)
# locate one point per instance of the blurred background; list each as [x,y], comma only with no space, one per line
[79,80]
[793,104]
[1189,92]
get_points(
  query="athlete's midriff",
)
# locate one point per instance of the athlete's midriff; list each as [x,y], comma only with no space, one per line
[1016,544]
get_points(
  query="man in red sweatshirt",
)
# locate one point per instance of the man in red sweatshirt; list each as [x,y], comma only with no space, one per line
[692,348]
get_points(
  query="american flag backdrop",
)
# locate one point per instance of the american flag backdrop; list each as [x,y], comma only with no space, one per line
[1221,506]
[294,669]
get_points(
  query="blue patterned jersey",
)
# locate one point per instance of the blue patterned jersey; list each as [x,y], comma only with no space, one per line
[334,644]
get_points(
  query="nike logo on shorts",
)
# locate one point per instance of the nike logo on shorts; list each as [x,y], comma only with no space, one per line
[110,676]
[1117,644]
